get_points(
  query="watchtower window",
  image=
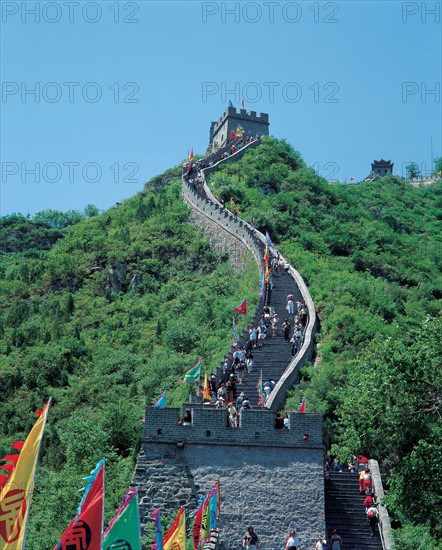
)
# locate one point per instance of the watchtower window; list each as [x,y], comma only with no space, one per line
[159,431]
[208,433]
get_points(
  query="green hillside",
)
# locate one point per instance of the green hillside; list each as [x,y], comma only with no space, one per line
[100,353]
[370,255]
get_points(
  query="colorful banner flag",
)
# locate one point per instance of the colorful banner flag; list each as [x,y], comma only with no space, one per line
[205,521]
[17,486]
[196,531]
[214,509]
[261,392]
[194,374]
[206,390]
[239,131]
[86,529]
[232,134]
[267,274]
[124,530]
[262,286]
[175,538]
[156,516]
[191,155]
[302,406]
[161,401]
[269,241]
[242,308]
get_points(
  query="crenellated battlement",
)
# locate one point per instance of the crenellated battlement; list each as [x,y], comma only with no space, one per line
[242,115]
[250,121]
[209,427]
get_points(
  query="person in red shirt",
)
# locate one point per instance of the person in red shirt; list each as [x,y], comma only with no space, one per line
[368,502]
[362,462]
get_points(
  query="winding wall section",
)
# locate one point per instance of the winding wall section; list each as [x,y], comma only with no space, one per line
[204,202]
[270,478]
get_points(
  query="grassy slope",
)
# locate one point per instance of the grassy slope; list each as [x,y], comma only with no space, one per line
[370,255]
[102,355]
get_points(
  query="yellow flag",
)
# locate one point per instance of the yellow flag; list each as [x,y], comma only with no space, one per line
[16,493]
[175,538]
[206,391]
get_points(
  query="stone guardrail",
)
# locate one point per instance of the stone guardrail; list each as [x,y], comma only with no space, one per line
[207,205]
[385,529]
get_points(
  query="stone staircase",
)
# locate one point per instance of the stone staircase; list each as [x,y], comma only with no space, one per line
[344,511]
[274,356]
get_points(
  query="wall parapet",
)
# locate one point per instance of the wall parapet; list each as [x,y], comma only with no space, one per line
[385,529]
[209,427]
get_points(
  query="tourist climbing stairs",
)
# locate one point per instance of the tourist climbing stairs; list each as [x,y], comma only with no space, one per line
[345,512]
[274,356]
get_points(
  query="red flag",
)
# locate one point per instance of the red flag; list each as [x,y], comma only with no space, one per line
[191,155]
[301,408]
[86,530]
[232,134]
[197,526]
[242,308]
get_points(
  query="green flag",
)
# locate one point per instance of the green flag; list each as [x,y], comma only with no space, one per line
[124,530]
[194,374]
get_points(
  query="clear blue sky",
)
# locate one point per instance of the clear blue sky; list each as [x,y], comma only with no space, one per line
[379,61]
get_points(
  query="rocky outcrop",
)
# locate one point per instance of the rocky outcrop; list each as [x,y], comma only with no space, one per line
[116,276]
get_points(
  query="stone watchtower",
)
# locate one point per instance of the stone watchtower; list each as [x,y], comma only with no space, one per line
[270,478]
[382,167]
[251,123]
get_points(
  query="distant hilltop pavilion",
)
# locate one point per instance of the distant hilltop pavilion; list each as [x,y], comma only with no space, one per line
[247,122]
[382,167]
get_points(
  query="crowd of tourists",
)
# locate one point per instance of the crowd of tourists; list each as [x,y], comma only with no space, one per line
[293,541]
[225,392]
[193,171]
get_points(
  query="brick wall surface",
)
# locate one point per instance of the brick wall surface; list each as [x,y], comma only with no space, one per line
[272,489]
[209,427]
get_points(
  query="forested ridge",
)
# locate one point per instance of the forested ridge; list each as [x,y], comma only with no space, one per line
[370,255]
[103,353]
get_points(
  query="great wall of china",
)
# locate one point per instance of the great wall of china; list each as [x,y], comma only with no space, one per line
[271,479]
